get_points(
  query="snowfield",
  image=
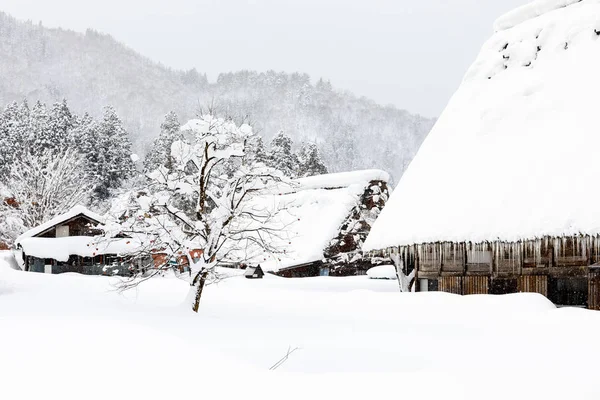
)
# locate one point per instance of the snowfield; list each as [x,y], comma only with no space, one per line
[65,336]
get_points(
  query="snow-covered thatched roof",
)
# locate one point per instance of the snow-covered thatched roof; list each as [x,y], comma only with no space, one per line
[59,219]
[515,153]
[315,209]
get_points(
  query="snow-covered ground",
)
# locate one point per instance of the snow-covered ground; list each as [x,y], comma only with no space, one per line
[68,336]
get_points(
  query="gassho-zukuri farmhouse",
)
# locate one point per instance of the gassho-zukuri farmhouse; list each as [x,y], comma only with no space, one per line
[503,195]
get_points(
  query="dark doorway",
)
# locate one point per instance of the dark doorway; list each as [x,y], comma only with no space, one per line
[432,285]
[568,291]
[503,286]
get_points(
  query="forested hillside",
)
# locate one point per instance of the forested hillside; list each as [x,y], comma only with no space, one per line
[93,70]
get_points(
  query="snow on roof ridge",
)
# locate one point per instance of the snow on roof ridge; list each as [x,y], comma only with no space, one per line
[530,11]
[343,179]
[73,212]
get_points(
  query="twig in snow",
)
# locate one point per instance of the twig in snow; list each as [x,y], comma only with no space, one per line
[283,359]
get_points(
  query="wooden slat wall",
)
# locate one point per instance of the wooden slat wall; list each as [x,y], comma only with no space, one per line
[594,291]
[450,284]
[476,285]
[533,284]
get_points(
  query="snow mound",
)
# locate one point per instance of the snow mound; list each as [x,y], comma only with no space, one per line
[7,260]
[530,11]
[382,272]
[514,154]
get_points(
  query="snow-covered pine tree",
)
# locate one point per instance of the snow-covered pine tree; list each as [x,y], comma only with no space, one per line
[114,154]
[14,131]
[10,142]
[61,123]
[85,138]
[310,162]
[281,156]
[255,150]
[160,153]
[40,137]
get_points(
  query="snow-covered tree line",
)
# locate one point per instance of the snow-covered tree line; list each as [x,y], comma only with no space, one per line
[52,159]
[303,163]
[351,132]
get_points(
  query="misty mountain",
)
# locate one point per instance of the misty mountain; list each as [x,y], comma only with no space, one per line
[92,70]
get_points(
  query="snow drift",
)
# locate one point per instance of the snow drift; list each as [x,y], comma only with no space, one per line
[514,154]
[382,272]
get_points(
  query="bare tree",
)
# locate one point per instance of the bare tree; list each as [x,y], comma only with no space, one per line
[40,187]
[211,208]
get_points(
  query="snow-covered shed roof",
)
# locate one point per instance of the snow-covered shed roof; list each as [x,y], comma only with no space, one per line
[515,153]
[84,246]
[59,219]
[251,271]
[315,209]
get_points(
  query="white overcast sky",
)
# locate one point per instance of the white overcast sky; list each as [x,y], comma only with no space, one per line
[410,53]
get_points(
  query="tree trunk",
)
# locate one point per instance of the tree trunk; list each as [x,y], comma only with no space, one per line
[406,281]
[199,282]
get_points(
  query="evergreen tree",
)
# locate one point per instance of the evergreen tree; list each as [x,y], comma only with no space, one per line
[40,136]
[115,164]
[14,126]
[255,150]
[61,123]
[310,162]
[281,156]
[160,153]
[85,138]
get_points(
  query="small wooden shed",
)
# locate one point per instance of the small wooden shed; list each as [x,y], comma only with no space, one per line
[254,272]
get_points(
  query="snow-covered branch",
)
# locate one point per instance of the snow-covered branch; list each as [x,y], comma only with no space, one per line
[209,207]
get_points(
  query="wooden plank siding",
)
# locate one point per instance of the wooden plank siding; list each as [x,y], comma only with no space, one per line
[476,285]
[464,285]
[594,290]
[450,284]
[533,284]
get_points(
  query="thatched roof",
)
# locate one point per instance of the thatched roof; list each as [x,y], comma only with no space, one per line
[515,153]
